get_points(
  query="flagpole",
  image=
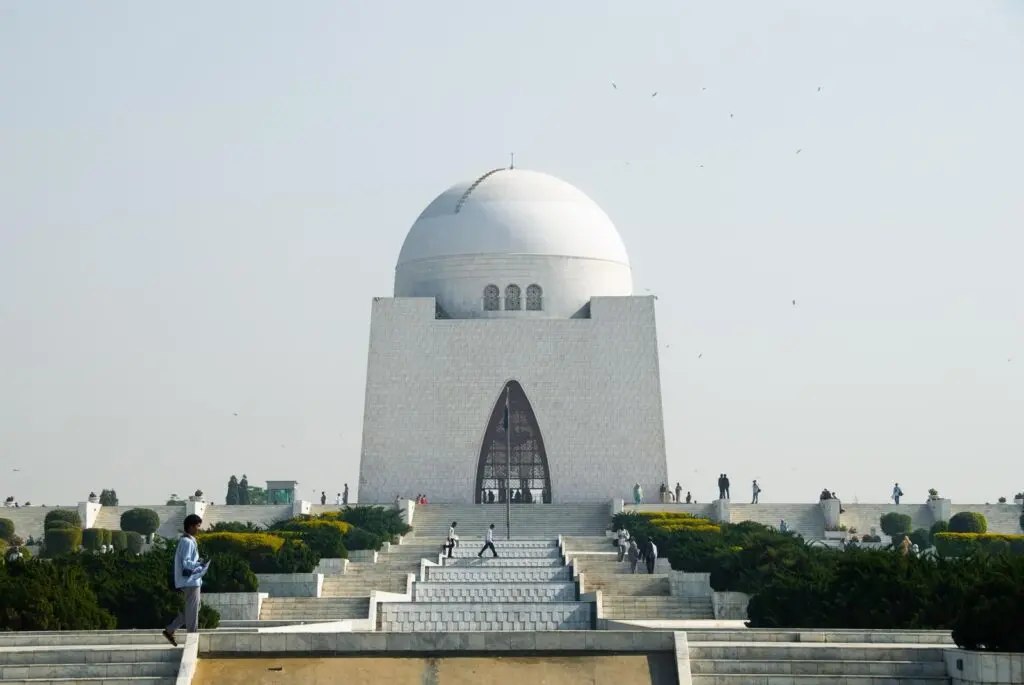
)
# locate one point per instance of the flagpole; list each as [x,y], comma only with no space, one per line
[508,468]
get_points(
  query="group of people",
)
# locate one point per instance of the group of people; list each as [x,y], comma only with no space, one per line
[677,496]
[634,552]
[341,499]
[452,541]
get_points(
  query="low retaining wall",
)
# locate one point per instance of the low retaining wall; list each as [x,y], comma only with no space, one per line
[332,567]
[683,584]
[235,606]
[729,606]
[984,668]
[291,584]
[363,556]
[421,617]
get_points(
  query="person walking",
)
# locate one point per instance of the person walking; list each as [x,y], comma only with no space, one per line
[725,482]
[638,494]
[679,493]
[721,486]
[650,555]
[323,498]
[897,492]
[188,572]
[623,537]
[757,492]
[633,555]
[344,495]
[452,539]
[489,542]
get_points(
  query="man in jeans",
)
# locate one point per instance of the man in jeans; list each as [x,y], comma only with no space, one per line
[189,570]
[488,542]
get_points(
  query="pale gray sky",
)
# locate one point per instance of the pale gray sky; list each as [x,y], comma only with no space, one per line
[198,202]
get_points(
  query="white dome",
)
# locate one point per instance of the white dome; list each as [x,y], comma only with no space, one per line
[513,211]
[512,227]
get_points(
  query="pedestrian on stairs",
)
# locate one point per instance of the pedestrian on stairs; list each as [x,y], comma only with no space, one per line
[187,574]
[489,542]
[452,539]
[633,555]
[650,555]
[623,542]
[323,498]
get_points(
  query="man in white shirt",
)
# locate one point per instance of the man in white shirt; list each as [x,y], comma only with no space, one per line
[489,542]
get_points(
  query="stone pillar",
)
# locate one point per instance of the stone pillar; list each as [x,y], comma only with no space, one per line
[408,509]
[300,507]
[618,506]
[720,510]
[830,509]
[941,509]
[197,507]
[88,511]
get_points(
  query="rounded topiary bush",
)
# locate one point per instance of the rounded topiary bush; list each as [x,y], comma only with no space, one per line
[92,538]
[141,521]
[134,542]
[60,524]
[61,541]
[937,527]
[921,537]
[968,522]
[230,573]
[6,529]
[69,515]
[119,539]
[108,536]
[895,525]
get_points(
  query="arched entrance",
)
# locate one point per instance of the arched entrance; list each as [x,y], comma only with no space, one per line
[531,479]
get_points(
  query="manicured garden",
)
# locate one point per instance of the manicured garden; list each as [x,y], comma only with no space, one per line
[978,594]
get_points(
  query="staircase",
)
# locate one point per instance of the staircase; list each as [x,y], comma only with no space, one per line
[529,521]
[738,659]
[314,609]
[261,514]
[805,519]
[28,521]
[106,657]
[864,517]
[526,588]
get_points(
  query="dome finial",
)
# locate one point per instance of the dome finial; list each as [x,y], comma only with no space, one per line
[512,160]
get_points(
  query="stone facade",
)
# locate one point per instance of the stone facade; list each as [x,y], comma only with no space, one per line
[426,616]
[449,574]
[235,606]
[593,384]
[494,592]
[984,668]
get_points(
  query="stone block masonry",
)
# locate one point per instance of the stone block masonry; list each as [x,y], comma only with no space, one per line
[428,616]
[465,574]
[494,592]
[235,606]
[488,561]
[291,584]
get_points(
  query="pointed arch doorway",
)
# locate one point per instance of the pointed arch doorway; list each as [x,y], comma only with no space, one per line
[530,477]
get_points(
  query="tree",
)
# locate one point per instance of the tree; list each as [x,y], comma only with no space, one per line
[6,529]
[968,522]
[257,495]
[243,490]
[896,525]
[174,500]
[141,521]
[108,498]
[232,496]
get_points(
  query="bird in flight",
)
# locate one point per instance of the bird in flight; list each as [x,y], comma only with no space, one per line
[614,86]
[654,94]
[700,355]
[794,303]
[799,150]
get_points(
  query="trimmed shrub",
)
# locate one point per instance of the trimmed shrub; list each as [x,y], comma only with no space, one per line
[991,615]
[235,527]
[134,542]
[921,538]
[937,527]
[69,515]
[966,544]
[141,521]
[229,573]
[108,536]
[358,538]
[265,553]
[209,618]
[968,522]
[92,538]
[6,529]
[62,541]
[324,536]
[62,525]
[385,523]
[895,525]
[49,596]
[119,539]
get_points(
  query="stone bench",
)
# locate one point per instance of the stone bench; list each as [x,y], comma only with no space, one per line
[406,617]
[465,574]
[494,592]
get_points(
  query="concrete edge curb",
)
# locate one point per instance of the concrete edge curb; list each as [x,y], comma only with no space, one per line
[189,660]
[682,658]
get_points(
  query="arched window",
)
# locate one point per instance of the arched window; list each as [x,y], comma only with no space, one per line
[534,298]
[492,298]
[513,298]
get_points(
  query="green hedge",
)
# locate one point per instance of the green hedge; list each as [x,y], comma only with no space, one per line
[141,521]
[264,552]
[69,515]
[134,542]
[896,525]
[990,617]
[92,538]
[38,595]
[968,522]
[964,544]
[229,573]
[119,539]
[62,541]
[6,529]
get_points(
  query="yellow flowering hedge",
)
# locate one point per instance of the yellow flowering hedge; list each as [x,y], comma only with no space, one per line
[963,544]
[313,524]
[241,544]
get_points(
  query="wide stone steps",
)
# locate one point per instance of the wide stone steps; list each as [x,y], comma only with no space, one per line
[19,656]
[806,519]
[409,617]
[488,560]
[529,521]
[803,652]
[314,608]
[60,659]
[495,592]
[805,667]
[467,551]
[497,574]
[628,585]
[131,673]
[623,607]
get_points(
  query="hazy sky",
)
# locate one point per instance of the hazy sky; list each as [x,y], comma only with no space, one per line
[198,202]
